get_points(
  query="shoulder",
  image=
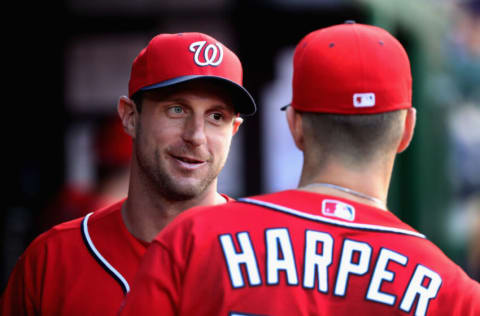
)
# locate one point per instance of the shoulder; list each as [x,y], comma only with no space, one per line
[204,214]
[228,211]
[207,221]
[61,231]
[106,216]
[68,233]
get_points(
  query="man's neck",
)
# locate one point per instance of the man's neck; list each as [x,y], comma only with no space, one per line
[145,214]
[370,182]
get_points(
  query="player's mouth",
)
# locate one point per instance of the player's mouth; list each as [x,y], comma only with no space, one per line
[189,162]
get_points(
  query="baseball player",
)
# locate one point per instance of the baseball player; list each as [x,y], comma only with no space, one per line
[185,97]
[330,247]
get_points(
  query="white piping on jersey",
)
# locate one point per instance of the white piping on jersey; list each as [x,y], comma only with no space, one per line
[100,257]
[318,218]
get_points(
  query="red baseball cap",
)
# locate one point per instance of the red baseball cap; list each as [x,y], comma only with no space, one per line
[169,59]
[351,69]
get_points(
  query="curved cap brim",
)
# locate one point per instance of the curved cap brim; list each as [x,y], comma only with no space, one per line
[243,102]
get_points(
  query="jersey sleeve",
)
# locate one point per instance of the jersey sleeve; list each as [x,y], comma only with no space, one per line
[156,288]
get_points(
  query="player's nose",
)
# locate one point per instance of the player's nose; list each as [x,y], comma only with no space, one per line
[194,130]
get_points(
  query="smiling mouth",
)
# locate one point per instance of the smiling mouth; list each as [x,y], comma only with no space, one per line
[189,160]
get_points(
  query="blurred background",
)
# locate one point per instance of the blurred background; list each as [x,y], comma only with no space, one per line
[68,63]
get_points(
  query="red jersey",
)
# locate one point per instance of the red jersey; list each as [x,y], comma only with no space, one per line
[82,267]
[75,268]
[297,253]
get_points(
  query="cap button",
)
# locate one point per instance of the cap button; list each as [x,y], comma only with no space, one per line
[350,22]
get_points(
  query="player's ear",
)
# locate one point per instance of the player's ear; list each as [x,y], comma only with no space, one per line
[237,121]
[127,111]
[295,125]
[409,127]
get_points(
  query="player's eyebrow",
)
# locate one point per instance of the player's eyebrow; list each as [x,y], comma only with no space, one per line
[173,99]
[186,102]
[222,107]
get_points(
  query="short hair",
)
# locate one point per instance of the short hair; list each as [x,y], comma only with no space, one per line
[137,98]
[355,139]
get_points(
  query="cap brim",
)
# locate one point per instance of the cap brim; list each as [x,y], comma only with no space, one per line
[242,100]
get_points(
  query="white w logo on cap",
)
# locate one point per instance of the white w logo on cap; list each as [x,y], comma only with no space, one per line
[209,53]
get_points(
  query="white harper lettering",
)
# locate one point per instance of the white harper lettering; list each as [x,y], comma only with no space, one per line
[351,259]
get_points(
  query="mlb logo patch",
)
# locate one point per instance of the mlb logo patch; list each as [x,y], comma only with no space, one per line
[333,208]
[363,100]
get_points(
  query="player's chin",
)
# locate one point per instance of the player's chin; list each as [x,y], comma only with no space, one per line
[196,182]
[190,177]
[186,190]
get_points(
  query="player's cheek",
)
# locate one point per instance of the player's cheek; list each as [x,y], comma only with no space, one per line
[224,149]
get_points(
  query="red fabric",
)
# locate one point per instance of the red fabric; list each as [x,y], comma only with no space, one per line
[169,56]
[57,275]
[180,56]
[343,68]
[186,270]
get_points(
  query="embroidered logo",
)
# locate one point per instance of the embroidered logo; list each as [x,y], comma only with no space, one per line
[212,54]
[363,100]
[333,208]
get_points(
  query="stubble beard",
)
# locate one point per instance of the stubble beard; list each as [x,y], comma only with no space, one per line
[165,184]
[172,188]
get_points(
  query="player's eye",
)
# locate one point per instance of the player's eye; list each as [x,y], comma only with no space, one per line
[176,110]
[217,116]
